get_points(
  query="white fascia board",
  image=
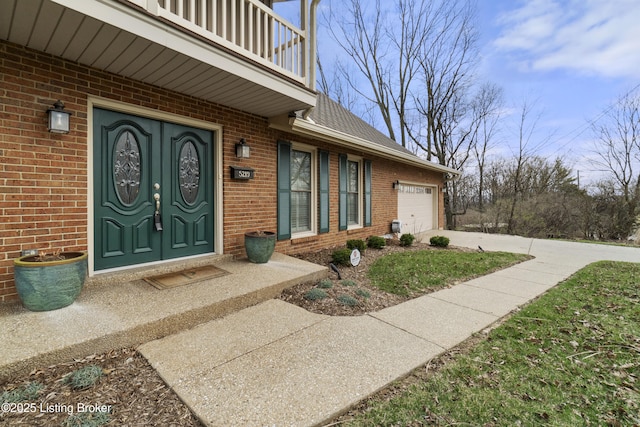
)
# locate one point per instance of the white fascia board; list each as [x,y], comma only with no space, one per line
[308,128]
[128,19]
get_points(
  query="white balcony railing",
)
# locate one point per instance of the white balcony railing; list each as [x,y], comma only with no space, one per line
[247,27]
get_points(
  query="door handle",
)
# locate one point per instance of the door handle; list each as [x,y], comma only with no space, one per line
[157,219]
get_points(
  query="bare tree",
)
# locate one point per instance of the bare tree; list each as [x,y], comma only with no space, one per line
[408,42]
[416,63]
[474,139]
[618,150]
[446,63]
[486,106]
[417,67]
[526,129]
[331,83]
[362,36]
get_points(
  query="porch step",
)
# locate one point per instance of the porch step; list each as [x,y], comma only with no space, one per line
[121,310]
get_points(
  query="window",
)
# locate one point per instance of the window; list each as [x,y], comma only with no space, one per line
[301,191]
[355,192]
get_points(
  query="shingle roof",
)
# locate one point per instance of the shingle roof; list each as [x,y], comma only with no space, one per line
[332,121]
[331,114]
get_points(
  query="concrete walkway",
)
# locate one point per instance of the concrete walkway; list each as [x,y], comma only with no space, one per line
[275,364]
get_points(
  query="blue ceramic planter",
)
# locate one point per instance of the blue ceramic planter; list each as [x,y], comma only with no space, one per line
[259,245]
[50,285]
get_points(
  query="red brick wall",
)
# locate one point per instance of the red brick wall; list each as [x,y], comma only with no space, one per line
[43,176]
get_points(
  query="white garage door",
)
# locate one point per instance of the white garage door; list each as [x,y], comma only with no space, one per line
[416,207]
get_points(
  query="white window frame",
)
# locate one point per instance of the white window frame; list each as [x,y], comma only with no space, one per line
[313,217]
[360,162]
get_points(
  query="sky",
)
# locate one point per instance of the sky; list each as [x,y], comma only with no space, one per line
[572,57]
[568,59]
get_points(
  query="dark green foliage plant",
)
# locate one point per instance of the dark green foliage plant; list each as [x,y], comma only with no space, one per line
[21,394]
[363,293]
[347,300]
[84,377]
[407,239]
[87,419]
[376,242]
[358,244]
[341,256]
[325,284]
[315,294]
[439,241]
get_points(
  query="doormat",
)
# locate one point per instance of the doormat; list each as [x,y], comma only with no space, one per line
[185,277]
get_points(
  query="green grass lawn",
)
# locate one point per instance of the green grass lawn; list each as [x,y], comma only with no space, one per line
[570,358]
[406,273]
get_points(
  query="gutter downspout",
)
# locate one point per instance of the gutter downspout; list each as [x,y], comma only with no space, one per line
[313,51]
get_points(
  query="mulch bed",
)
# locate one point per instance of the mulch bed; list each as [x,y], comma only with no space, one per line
[358,281]
[129,390]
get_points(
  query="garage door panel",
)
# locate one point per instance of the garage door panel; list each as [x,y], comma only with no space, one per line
[415,208]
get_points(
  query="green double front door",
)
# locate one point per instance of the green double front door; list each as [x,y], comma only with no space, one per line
[153,190]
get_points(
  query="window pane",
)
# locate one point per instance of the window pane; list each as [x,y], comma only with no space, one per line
[300,191]
[353,177]
[352,208]
[300,171]
[353,195]
[300,211]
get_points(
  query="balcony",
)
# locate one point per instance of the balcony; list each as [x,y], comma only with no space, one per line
[247,27]
[237,53]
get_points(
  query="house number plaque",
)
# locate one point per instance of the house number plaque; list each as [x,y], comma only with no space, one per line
[241,173]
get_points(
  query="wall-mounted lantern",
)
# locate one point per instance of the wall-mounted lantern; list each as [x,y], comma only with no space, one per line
[243,151]
[58,118]
[396,185]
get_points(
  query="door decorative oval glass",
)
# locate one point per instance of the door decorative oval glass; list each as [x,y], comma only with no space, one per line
[126,168]
[189,173]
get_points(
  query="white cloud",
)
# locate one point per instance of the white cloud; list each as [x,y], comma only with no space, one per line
[593,37]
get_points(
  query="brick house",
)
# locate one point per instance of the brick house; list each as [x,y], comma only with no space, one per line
[161,93]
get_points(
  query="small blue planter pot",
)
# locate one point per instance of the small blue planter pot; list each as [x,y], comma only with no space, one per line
[259,245]
[50,285]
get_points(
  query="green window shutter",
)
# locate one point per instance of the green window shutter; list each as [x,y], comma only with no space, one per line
[284,190]
[367,193]
[343,173]
[323,204]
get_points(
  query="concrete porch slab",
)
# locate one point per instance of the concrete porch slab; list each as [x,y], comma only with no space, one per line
[119,314]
